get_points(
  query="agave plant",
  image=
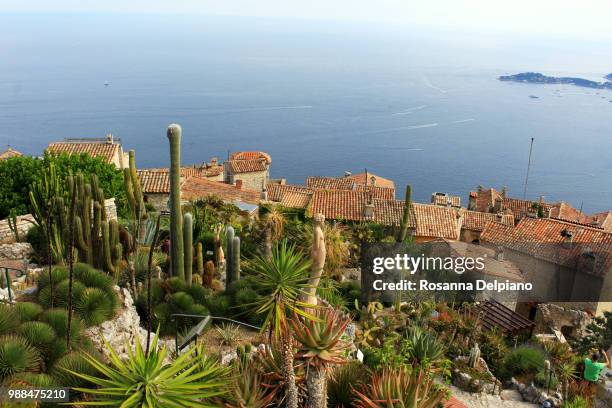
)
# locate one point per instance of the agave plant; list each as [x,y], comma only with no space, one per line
[321,346]
[147,381]
[94,306]
[423,347]
[229,333]
[9,319]
[28,311]
[400,388]
[17,356]
[247,389]
[38,334]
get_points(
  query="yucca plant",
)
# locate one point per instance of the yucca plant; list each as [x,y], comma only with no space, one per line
[400,388]
[147,381]
[17,356]
[283,278]
[321,346]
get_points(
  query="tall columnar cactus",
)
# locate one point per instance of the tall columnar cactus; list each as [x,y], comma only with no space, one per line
[177,255]
[229,240]
[405,223]
[188,242]
[199,259]
[235,260]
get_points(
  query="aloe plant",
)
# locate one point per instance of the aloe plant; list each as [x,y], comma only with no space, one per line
[400,388]
[148,381]
[321,347]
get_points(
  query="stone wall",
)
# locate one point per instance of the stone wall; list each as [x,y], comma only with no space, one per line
[24,223]
[550,317]
[251,181]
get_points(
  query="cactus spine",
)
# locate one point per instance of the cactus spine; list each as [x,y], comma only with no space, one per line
[403,233]
[188,243]
[176,219]
[229,240]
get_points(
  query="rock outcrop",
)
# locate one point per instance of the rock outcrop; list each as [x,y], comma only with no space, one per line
[16,251]
[552,318]
[123,330]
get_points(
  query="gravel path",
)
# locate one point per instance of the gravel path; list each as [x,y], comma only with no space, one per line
[508,399]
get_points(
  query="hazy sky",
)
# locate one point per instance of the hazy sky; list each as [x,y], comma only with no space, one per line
[586,18]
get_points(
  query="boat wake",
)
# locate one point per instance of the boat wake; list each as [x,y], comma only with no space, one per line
[410,110]
[464,120]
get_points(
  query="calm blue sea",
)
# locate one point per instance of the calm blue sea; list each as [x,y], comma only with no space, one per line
[411,104]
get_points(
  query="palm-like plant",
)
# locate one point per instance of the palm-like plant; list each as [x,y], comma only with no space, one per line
[273,223]
[147,381]
[283,278]
[321,347]
[400,388]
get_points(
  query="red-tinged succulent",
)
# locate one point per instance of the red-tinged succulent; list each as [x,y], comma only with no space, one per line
[400,388]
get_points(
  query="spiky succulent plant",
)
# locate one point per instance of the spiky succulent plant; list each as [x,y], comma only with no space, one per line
[9,319]
[248,388]
[400,388]
[17,356]
[320,338]
[28,311]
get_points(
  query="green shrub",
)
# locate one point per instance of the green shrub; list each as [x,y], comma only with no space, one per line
[176,284]
[199,293]
[523,360]
[28,311]
[17,356]
[58,274]
[218,305]
[578,402]
[9,319]
[181,301]
[93,278]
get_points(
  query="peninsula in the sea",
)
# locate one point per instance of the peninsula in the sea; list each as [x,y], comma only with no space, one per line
[538,78]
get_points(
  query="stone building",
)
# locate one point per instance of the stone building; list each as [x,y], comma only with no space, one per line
[9,152]
[568,263]
[251,168]
[108,148]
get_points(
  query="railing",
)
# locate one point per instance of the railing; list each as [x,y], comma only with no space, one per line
[5,278]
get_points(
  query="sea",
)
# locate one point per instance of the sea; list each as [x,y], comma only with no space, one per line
[414,104]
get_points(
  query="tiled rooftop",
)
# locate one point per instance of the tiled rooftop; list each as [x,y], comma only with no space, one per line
[546,239]
[445,200]
[8,153]
[194,188]
[247,166]
[369,179]
[158,180]
[477,221]
[339,204]
[109,151]
[289,195]
[330,183]
[252,155]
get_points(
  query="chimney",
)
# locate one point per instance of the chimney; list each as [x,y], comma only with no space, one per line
[459,223]
[568,238]
[368,211]
[109,138]
[479,189]
[499,253]
[504,191]
[214,161]
[264,194]
[498,204]
[239,184]
[373,179]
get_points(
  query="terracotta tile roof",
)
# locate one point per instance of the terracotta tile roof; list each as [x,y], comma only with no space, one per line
[247,166]
[477,221]
[158,180]
[154,181]
[390,212]
[346,205]
[109,151]
[8,153]
[289,195]
[602,220]
[435,221]
[564,211]
[194,188]
[366,179]
[384,193]
[331,183]
[496,315]
[544,238]
[252,155]
[444,200]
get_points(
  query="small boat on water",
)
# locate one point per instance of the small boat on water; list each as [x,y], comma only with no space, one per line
[106,83]
[534,97]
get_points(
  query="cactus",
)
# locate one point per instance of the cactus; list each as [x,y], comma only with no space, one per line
[474,356]
[188,243]
[229,240]
[199,259]
[209,274]
[403,233]
[235,260]
[12,223]
[176,219]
